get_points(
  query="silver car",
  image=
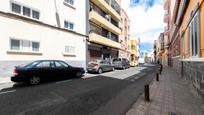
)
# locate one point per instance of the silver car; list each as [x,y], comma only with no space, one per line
[99,66]
[121,63]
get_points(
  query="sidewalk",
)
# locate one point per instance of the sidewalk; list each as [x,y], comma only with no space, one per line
[5,80]
[169,96]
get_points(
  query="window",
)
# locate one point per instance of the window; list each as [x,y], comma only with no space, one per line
[60,64]
[68,25]
[194,35]
[35,46]
[35,14]
[15,44]
[16,8]
[43,64]
[69,49]
[25,11]
[24,45]
[71,2]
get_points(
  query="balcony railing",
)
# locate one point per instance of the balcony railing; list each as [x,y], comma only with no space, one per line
[105,33]
[104,15]
[115,6]
[107,1]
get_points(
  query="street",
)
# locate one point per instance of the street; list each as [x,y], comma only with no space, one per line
[90,95]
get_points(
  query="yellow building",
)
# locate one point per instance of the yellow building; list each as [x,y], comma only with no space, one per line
[134,52]
[104,31]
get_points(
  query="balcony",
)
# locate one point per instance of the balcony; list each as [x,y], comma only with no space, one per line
[166,28]
[120,25]
[99,20]
[166,4]
[99,39]
[105,6]
[166,18]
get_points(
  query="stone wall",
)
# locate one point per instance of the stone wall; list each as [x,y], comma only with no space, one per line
[193,73]
[176,64]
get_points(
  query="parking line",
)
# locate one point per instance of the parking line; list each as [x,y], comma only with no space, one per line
[59,82]
[5,92]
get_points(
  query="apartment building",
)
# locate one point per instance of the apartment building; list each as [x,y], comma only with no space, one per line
[124,24]
[104,31]
[42,29]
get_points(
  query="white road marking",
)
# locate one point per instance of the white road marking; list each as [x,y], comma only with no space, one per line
[5,92]
[59,82]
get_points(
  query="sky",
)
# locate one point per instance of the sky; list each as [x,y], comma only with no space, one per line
[146,20]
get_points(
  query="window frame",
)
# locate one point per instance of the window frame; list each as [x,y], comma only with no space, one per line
[21,12]
[193,25]
[68,3]
[10,47]
[69,22]
[11,7]
[70,46]
[21,45]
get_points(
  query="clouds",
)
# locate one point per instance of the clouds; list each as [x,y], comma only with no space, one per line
[146,18]
[146,3]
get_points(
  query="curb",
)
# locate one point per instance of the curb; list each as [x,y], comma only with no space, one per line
[5,80]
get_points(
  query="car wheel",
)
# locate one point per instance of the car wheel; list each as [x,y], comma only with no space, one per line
[100,71]
[34,80]
[78,74]
[113,69]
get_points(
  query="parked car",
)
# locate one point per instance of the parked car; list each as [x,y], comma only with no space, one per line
[99,66]
[134,63]
[40,70]
[121,63]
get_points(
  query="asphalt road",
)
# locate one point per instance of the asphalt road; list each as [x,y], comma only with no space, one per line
[99,95]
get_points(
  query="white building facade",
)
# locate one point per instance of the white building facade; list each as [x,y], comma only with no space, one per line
[42,29]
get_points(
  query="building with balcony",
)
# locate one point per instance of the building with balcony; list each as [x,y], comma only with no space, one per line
[124,37]
[104,31]
[42,29]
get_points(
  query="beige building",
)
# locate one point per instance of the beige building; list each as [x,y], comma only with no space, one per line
[104,31]
[125,35]
[42,29]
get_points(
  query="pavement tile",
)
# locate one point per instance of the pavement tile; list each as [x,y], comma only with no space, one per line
[169,96]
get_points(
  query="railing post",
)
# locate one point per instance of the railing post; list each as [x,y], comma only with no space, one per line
[147,93]
[157,76]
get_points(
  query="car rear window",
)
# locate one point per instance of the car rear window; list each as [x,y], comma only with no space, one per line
[32,64]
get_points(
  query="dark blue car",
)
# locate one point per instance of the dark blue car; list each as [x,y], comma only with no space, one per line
[41,70]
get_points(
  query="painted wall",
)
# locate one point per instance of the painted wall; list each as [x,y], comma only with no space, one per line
[52,41]
[48,9]
[124,36]
[184,26]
